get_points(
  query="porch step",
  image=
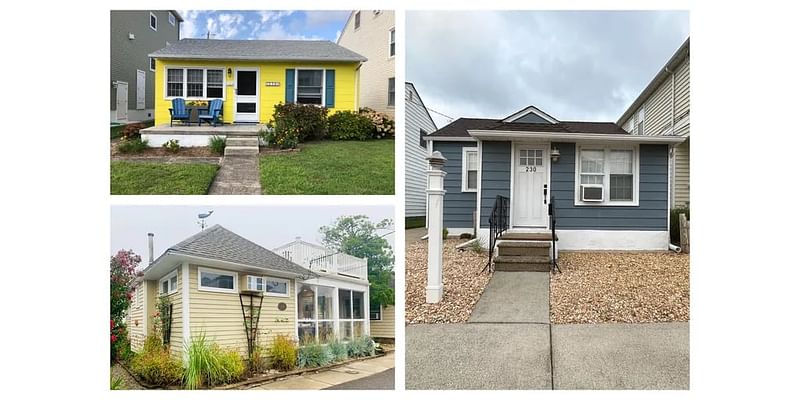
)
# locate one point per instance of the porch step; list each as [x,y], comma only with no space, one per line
[523,251]
[522,263]
[240,150]
[534,236]
[522,259]
[238,141]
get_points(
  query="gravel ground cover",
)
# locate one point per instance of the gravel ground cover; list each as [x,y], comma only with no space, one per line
[634,287]
[463,283]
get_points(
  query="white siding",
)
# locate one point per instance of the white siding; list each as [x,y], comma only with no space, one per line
[371,40]
[416,118]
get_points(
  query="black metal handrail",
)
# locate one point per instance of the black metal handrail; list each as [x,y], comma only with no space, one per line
[551,210]
[498,224]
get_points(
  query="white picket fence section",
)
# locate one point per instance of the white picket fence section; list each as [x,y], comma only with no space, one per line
[320,259]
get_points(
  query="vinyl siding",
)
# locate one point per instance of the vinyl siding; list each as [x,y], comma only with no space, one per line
[649,215]
[682,90]
[345,89]
[459,206]
[219,315]
[385,327]
[416,166]
[371,40]
[681,177]
[495,176]
[176,333]
[658,107]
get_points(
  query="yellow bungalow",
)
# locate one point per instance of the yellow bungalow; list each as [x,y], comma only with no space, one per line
[252,76]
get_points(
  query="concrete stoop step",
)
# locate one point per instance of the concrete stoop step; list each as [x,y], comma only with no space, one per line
[524,252]
[239,146]
[522,263]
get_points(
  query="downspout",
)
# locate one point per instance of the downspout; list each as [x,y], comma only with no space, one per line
[671,172]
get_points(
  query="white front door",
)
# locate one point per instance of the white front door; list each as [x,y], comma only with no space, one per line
[141,78]
[246,95]
[530,177]
[122,100]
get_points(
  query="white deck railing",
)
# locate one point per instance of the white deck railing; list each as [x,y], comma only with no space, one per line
[320,259]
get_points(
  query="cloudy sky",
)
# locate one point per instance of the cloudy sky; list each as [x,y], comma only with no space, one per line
[574,65]
[268,226]
[294,25]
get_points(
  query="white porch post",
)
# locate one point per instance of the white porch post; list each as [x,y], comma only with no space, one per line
[434,290]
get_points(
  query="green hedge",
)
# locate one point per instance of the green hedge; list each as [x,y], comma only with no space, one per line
[349,125]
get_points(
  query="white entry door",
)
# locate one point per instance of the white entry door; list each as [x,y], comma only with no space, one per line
[246,95]
[122,100]
[141,82]
[530,176]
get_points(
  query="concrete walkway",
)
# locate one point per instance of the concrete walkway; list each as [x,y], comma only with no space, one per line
[237,175]
[380,381]
[509,343]
[334,376]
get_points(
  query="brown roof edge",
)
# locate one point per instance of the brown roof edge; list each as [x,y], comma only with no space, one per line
[661,76]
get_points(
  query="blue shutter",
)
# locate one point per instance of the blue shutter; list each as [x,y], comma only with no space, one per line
[289,86]
[330,83]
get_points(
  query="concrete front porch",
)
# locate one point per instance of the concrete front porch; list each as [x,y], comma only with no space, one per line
[193,135]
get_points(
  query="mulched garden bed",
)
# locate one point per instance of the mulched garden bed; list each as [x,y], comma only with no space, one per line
[631,287]
[463,283]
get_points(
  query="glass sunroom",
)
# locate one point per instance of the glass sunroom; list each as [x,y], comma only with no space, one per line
[325,312]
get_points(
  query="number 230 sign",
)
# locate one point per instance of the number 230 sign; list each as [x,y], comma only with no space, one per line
[530,169]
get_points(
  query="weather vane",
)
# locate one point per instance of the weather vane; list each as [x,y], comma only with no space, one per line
[202,217]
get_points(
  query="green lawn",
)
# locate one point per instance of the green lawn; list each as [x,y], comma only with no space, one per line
[147,178]
[330,167]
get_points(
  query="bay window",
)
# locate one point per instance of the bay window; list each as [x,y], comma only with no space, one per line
[309,87]
[607,176]
[195,83]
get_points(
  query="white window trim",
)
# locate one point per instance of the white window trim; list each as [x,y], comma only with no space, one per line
[151,63]
[390,43]
[464,151]
[202,288]
[297,88]
[335,304]
[380,314]
[606,181]
[269,278]
[167,278]
[171,19]
[151,19]
[186,79]
[247,281]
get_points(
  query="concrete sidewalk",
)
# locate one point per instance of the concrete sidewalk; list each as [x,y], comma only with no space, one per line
[334,376]
[237,175]
[514,297]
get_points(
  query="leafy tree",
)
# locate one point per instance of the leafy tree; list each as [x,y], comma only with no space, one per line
[359,237]
[123,272]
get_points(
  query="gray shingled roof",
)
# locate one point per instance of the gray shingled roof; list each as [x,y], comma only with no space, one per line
[218,243]
[459,127]
[261,50]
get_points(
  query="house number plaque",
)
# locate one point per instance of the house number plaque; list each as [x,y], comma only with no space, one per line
[272,84]
[530,169]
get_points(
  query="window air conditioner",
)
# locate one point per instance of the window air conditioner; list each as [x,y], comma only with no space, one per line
[592,193]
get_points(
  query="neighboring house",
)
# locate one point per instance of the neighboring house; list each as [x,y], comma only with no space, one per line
[134,35]
[418,125]
[371,33]
[208,276]
[608,187]
[252,76]
[381,320]
[663,109]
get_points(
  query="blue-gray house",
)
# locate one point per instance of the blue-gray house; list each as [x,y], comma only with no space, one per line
[609,188]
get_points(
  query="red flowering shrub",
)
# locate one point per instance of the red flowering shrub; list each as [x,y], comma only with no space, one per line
[122,274]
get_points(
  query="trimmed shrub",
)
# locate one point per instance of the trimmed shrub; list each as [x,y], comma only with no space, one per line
[136,145]
[349,125]
[131,131]
[338,350]
[171,146]
[362,346]
[675,225]
[217,144]
[307,121]
[314,355]
[283,353]
[382,125]
[209,365]
[155,365]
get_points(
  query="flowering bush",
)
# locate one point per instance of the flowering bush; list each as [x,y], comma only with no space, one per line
[382,125]
[349,125]
[171,146]
[123,272]
[162,319]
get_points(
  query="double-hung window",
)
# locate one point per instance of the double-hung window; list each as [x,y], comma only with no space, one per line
[169,283]
[390,103]
[213,280]
[469,169]
[375,313]
[607,176]
[391,42]
[309,86]
[195,83]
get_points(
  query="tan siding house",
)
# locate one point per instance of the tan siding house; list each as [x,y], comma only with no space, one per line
[663,109]
[208,277]
[384,327]
[371,34]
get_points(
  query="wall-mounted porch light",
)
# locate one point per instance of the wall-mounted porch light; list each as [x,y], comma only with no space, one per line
[229,72]
[555,154]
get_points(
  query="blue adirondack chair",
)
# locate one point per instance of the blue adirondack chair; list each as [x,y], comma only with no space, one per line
[212,115]
[178,112]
